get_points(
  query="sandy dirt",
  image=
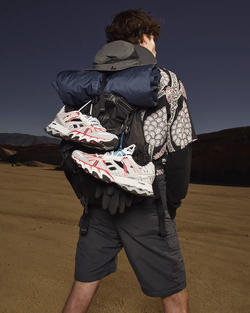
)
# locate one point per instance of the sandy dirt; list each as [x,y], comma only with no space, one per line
[38,220]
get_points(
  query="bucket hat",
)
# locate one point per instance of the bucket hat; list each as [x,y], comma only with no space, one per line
[120,54]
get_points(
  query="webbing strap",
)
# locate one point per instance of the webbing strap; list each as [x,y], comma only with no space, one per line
[100,106]
[84,220]
[162,191]
[121,140]
[161,182]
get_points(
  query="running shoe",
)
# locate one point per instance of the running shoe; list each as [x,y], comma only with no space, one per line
[118,167]
[83,129]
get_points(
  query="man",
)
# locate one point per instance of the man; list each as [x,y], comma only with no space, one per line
[157,261]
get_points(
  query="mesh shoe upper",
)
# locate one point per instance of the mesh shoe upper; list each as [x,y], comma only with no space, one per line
[82,128]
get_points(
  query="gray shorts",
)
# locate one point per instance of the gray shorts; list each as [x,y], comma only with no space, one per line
[157,261]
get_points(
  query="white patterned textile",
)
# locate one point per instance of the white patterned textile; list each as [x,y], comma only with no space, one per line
[181,130]
[169,128]
[164,81]
[154,127]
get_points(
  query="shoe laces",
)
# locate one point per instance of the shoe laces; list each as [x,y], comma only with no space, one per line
[122,152]
[92,120]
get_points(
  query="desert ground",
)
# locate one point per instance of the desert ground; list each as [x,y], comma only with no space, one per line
[39,214]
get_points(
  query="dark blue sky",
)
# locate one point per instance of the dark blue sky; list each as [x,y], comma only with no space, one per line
[207,44]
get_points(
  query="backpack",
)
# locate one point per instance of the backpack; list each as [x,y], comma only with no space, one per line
[126,121]
[121,119]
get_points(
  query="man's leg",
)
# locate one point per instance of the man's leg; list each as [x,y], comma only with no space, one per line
[176,303]
[95,258]
[80,296]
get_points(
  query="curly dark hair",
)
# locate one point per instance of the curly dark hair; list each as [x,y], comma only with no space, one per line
[130,25]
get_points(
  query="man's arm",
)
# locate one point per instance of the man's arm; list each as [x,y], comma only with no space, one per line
[180,136]
[178,170]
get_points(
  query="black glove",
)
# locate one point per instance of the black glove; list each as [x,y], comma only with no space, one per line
[113,198]
[93,191]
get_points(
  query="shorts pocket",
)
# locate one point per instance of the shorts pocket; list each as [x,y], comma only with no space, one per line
[172,237]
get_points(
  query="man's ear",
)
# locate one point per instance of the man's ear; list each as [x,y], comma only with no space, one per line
[144,39]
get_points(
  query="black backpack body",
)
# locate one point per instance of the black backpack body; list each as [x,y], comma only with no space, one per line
[121,119]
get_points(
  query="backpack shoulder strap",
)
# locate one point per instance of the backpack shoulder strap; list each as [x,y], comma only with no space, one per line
[100,105]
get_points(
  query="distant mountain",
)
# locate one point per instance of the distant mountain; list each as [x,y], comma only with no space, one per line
[25,139]
[6,154]
[229,135]
[222,157]
[44,153]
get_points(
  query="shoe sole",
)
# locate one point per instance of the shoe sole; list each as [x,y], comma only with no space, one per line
[57,131]
[123,182]
[62,132]
[101,145]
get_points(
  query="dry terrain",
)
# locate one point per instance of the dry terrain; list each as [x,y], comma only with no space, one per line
[38,221]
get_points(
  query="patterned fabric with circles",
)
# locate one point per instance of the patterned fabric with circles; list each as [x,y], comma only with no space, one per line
[169,128]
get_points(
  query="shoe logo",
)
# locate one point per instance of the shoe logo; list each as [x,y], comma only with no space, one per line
[92,129]
[94,162]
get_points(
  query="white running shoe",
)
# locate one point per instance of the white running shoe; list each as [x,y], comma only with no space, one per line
[118,167]
[83,129]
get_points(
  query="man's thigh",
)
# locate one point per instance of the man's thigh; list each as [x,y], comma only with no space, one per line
[96,252]
[157,261]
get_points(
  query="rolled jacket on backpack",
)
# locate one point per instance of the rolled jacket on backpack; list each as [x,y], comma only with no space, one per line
[138,85]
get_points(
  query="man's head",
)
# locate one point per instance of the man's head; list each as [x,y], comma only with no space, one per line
[135,26]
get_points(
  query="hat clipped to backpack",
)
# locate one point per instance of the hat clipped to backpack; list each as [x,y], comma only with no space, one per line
[119,54]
